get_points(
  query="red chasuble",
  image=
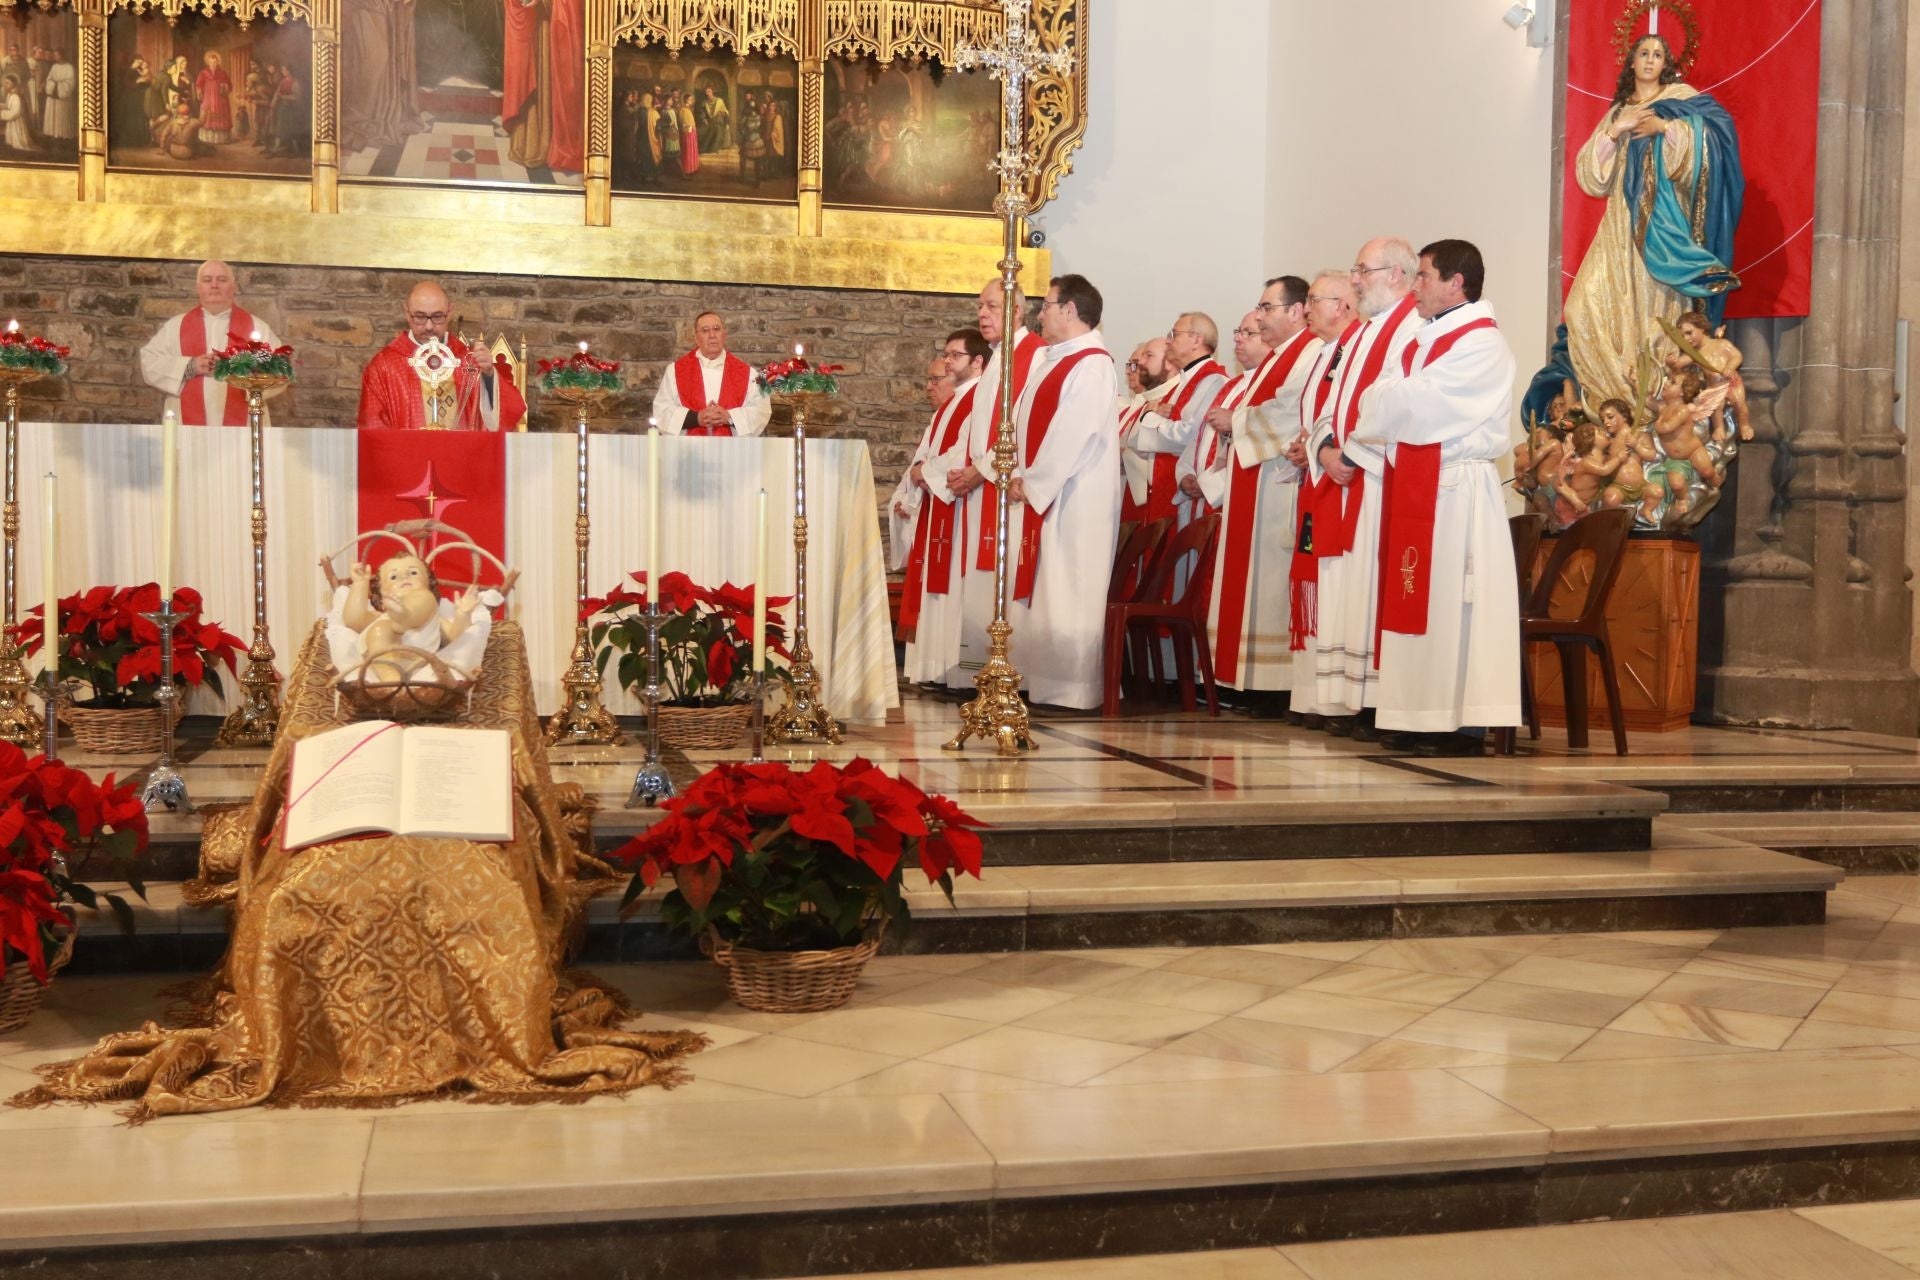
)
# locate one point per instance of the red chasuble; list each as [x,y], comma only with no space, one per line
[193,342]
[930,563]
[1046,403]
[1236,540]
[690,384]
[1029,345]
[1409,498]
[391,395]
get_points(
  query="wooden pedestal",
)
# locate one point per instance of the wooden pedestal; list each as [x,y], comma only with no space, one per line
[1653,624]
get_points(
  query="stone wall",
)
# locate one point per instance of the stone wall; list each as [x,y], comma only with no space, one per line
[106,309]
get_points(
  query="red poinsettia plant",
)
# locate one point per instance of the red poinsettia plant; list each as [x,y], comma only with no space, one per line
[786,377]
[250,357]
[52,817]
[111,646]
[706,639]
[579,372]
[782,859]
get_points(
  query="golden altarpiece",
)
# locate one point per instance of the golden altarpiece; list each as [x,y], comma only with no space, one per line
[325,215]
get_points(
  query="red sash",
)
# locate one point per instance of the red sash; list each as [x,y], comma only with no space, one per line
[193,342]
[1163,490]
[1336,535]
[1046,402]
[1409,499]
[1024,350]
[1129,509]
[691,383]
[1303,582]
[1235,556]
[930,563]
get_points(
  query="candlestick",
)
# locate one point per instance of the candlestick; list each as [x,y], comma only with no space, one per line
[760,583]
[582,719]
[19,723]
[164,787]
[803,716]
[256,721]
[653,513]
[50,621]
[169,425]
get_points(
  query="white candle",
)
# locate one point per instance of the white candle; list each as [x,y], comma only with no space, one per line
[583,346]
[799,348]
[254,336]
[13,326]
[169,477]
[51,620]
[760,583]
[653,516]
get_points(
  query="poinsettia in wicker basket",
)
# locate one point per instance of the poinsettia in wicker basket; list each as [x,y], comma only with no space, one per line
[791,877]
[706,653]
[110,650]
[54,818]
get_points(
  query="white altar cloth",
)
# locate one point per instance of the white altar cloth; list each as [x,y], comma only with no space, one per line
[109,524]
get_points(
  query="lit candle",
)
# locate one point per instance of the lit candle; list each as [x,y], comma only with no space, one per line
[653,515]
[169,424]
[799,348]
[583,346]
[13,326]
[760,584]
[51,620]
[254,336]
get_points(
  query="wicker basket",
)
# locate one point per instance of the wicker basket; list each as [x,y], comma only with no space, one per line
[21,992]
[714,728]
[119,731]
[431,691]
[793,981]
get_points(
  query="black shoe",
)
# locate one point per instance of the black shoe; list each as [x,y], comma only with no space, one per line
[1363,732]
[1452,744]
[1293,717]
[1340,726]
[1405,743]
[1308,720]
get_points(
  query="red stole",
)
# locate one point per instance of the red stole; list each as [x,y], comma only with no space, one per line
[1046,402]
[1335,535]
[193,342]
[691,383]
[1163,490]
[1024,351]
[1236,540]
[1302,582]
[1410,497]
[930,563]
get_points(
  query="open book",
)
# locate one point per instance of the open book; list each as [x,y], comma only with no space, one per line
[418,780]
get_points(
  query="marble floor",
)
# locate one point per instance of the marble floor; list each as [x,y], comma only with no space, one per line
[1845,1242]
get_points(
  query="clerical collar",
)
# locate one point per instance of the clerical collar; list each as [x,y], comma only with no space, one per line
[1449,311]
[1191,365]
[711,362]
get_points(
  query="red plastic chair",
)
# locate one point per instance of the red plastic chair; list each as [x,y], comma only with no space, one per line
[1157,612]
[1604,533]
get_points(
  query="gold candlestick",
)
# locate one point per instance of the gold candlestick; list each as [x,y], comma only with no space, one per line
[257,719]
[20,724]
[997,711]
[582,719]
[803,717]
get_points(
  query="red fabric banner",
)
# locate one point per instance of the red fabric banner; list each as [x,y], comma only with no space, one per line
[459,477]
[1761,60]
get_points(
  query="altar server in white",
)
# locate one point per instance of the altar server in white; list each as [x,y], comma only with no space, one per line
[1333,316]
[1249,610]
[903,505]
[1347,527]
[968,468]
[178,360]
[930,601]
[1068,489]
[1449,611]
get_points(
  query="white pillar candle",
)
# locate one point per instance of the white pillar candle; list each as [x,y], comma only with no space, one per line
[51,620]
[653,515]
[760,583]
[169,480]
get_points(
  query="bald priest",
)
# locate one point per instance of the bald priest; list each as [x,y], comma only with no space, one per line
[480,396]
[178,360]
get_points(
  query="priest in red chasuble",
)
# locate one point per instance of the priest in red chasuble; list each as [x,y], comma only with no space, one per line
[709,391]
[178,360]
[477,398]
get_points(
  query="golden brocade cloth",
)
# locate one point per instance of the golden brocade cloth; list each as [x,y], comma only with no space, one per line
[379,970]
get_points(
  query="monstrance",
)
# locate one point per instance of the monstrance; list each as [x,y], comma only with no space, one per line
[434,362]
[997,711]
[22,360]
[256,369]
[585,383]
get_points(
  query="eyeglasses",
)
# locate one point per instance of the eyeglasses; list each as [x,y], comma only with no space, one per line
[437,317]
[1133,364]
[1359,270]
[1180,333]
[1264,307]
[1051,302]
[1246,333]
[1323,297]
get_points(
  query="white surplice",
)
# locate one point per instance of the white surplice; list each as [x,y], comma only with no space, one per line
[1156,432]
[1074,483]
[750,419]
[1344,675]
[166,370]
[1261,433]
[1136,467]
[934,652]
[1465,669]
[976,448]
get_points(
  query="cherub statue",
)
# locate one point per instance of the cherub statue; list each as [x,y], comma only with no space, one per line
[1633,447]
[1590,464]
[400,607]
[1720,361]
[1687,456]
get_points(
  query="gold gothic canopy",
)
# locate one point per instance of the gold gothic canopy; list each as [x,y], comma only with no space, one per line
[791,198]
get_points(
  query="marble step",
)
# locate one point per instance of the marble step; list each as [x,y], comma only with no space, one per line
[1855,841]
[1689,880]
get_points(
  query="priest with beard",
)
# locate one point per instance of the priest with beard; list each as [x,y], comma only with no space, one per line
[392,394]
[1067,502]
[1158,376]
[178,360]
[962,473]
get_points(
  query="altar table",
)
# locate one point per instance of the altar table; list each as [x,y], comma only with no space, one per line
[109,523]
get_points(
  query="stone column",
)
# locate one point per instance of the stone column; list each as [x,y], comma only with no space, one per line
[1806,616]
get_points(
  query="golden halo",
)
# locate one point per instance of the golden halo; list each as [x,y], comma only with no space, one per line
[1682,11]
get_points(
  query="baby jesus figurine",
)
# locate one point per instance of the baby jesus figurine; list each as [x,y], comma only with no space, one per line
[400,608]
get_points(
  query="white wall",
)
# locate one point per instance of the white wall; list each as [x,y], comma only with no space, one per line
[1233,140]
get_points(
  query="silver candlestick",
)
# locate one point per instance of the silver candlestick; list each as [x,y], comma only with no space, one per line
[165,788]
[651,784]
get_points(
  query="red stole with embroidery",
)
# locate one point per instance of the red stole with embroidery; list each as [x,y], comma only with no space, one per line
[930,563]
[1029,346]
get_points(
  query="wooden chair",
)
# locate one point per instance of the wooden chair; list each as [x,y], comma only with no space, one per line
[1157,610]
[1133,566]
[1603,533]
[1526,530]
